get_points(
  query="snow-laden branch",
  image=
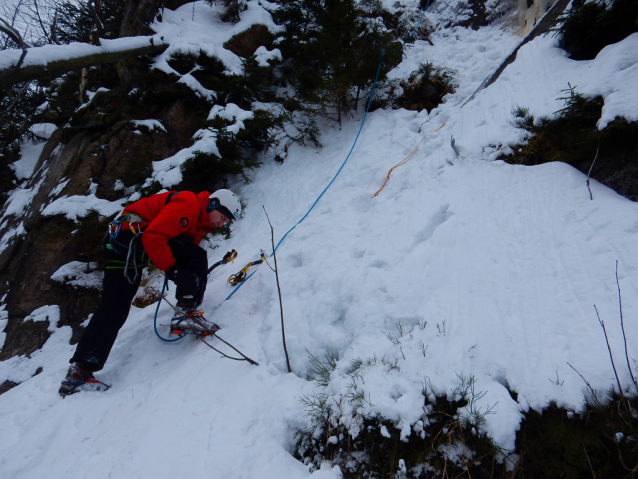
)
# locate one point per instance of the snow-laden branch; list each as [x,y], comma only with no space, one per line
[55,60]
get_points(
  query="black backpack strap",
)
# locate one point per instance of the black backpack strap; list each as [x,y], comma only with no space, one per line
[170,197]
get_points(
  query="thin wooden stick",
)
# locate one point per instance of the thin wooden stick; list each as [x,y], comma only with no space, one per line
[589,386]
[622,326]
[613,365]
[243,356]
[281,306]
[591,197]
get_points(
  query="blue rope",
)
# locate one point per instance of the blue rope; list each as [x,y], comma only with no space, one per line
[155,319]
[374,86]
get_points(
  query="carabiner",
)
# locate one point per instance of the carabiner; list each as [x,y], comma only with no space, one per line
[114,228]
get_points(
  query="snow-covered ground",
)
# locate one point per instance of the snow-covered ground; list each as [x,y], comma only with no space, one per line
[459,266]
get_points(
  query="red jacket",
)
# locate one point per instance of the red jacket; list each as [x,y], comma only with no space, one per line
[184,214]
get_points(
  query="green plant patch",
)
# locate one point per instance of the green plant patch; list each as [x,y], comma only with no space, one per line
[443,442]
[425,88]
[204,171]
[609,155]
[207,70]
[588,27]
[599,443]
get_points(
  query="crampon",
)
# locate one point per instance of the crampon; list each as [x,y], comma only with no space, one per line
[193,323]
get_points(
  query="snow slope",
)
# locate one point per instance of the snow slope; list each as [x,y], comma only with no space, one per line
[460,266]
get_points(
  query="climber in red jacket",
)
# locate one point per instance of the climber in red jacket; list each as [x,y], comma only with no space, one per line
[166,229]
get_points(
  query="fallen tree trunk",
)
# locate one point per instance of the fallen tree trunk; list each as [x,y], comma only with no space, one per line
[541,27]
[51,61]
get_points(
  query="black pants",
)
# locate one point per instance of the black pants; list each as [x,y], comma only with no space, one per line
[118,291]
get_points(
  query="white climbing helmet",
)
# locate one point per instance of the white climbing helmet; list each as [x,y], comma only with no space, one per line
[226,202]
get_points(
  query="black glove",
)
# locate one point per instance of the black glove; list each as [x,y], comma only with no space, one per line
[172,274]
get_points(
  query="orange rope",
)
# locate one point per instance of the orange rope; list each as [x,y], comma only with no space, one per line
[403,162]
[440,126]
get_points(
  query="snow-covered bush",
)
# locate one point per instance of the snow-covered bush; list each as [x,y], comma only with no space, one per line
[573,137]
[331,51]
[344,431]
[425,88]
[233,9]
[588,27]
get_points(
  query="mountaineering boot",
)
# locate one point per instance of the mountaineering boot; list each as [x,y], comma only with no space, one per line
[193,322]
[186,305]
[78,379]
[184,308]
[202,326]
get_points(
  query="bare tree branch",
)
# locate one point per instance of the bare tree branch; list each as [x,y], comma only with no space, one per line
[281,306]
[14,34]
[591,197]
[95,8]
[243,356]
[611,357]
[38,18]
[54,26]
[541,27]
[622,326]
[592,391]
[16,37]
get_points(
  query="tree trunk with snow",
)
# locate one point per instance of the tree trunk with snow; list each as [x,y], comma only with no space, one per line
[11,75]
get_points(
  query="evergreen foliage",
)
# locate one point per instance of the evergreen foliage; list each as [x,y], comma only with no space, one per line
[600,442]
[207,70]
[573,137]
[233,9]
[237,151]
[255,84]
[425,88]
[333,48]
[587,28]
[18,111]
[447,439]
[75,22]
[470,13]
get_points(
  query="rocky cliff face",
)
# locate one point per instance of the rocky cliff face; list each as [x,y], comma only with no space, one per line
[92,155]
[101,150]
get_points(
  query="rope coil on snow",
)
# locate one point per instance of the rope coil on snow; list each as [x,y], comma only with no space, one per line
[402,162]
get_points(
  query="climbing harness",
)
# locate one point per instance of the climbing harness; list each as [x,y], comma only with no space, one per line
[402,162]
[135,224]
[240,277]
